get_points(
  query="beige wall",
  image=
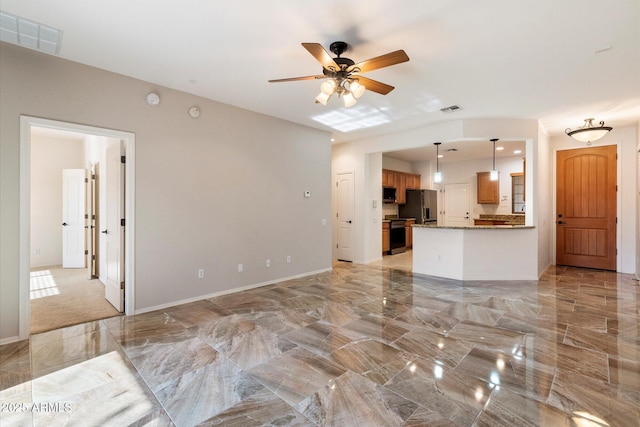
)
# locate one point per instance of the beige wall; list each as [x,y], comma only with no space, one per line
[212,192]
[49,156]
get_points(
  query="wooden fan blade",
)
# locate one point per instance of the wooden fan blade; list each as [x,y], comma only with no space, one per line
[373,85]
[321,55]
[382,61]
[293,79]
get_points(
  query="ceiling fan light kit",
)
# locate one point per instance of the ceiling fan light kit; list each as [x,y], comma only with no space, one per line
[588,132]
[343,74]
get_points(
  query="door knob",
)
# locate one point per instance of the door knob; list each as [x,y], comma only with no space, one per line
[560,222]
[64,224]
[104,231]
[559,215]
[349,221]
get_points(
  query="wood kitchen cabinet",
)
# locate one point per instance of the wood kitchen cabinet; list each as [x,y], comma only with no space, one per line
[488,191]
[401,188]
[402,182]
[388,178]
[412,181]
[386,241]
[409,232]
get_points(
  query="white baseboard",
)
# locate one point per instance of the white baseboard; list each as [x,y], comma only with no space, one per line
[230,291]
[9,340]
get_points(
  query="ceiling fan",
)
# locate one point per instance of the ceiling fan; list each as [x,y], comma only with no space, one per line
[344,75]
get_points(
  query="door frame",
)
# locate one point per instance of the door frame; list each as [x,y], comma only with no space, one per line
[554,195]
[26,122]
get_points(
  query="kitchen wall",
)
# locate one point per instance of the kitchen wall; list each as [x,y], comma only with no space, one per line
[362,156]
[49,156]
[212,192]
[459,172]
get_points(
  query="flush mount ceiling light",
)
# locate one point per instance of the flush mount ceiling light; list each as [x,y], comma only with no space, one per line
[493,175]
[437,177]
[343,74]
[31,34]
[588,132]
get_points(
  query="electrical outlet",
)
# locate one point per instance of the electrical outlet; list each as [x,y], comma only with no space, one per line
[288,259]
[240,268]
[201,273]
[268,263]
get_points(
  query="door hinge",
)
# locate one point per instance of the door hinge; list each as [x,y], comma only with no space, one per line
[122,222]
[336,246]
[121,285]
[93,257]
[86,252]
[86,180]
[93,176]
[123,159]
[86,216]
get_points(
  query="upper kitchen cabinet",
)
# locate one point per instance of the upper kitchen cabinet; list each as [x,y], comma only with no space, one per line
[412,181]
[401,188]
[388,178]
[401,181]
[488,191]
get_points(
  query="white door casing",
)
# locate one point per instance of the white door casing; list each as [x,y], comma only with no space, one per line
[73,210]
[26,123]
[113,231]
[456,204]
[345,211]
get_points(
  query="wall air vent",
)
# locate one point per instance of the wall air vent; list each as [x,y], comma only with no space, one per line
[26,33]
[451,109]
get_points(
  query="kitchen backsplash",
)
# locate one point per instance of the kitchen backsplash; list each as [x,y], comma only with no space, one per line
[389,209]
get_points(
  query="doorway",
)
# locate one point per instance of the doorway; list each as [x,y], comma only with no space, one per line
[26,249]
[586,207]
[345,213]
[456,204]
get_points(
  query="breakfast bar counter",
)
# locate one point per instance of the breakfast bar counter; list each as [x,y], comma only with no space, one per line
[499,252]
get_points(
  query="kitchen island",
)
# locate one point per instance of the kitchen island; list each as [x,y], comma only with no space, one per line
[501,252]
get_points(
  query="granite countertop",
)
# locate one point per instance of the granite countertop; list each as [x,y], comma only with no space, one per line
[474,227]
[513,219]
[398,219]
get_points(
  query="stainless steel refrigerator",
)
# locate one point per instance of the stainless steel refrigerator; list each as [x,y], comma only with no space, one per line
[421,205]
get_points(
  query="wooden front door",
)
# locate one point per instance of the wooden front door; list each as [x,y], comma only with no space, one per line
[586,207]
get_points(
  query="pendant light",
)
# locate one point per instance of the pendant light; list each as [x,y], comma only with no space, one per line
[437,177]
[493,175]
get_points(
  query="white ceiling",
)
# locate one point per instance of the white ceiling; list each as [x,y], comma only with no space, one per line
[556,61]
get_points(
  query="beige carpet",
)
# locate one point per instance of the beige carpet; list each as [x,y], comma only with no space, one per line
[64,297]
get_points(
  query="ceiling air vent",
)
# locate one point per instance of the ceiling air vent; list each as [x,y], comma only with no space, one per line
[450,109]
[31,34]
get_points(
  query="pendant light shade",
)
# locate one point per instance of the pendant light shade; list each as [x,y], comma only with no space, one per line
[588,132]
[493,175]
[437,177]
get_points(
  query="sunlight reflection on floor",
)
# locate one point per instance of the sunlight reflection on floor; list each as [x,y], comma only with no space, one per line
[42,284]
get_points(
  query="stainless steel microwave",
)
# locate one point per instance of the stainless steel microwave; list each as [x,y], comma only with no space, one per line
[388,194]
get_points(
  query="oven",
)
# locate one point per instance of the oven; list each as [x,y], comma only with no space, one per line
[397,237]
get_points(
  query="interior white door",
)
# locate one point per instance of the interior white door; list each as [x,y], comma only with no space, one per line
[113,231]
[456,204]
[73,209]
[344,187]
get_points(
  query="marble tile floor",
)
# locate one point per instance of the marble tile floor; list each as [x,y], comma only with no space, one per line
[357,346]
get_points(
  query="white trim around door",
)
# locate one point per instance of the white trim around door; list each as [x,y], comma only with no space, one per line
[26,122]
